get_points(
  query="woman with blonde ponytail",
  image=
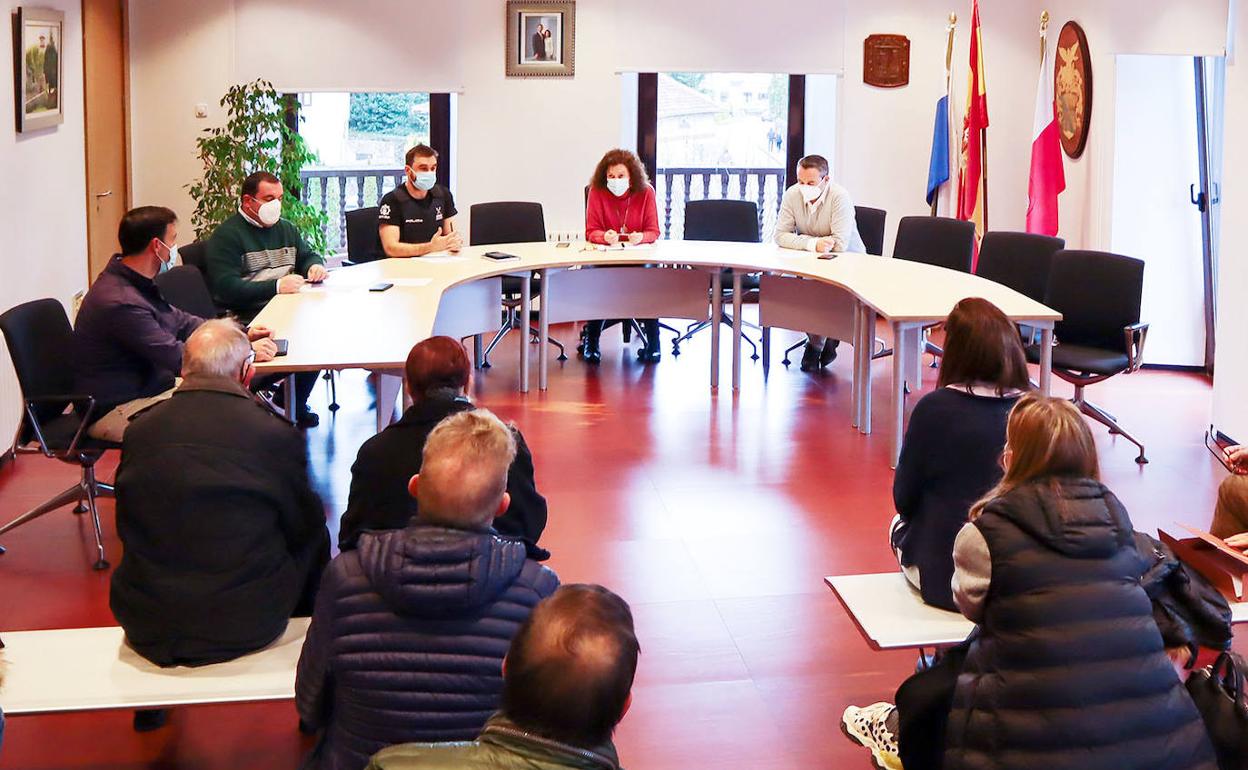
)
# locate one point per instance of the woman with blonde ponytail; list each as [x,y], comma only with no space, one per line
[1068,668]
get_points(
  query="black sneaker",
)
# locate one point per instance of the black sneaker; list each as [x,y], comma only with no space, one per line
[146,720]
[829,353]
[810,358]
[308,419]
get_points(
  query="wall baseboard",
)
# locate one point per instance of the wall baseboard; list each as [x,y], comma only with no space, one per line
[1174,368]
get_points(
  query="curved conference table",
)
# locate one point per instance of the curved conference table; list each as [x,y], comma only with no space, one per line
[340,324]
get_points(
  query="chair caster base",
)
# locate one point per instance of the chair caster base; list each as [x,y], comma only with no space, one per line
[1141,460]
[485,364]
[562,357]
[2,550]
[101,565]
[80,508]
[334,407]
[754,357]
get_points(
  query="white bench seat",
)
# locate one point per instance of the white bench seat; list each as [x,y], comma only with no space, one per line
[892,616]
[83,669]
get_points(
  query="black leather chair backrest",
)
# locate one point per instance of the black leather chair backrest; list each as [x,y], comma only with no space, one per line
[1018,260]
[363,240]
[184,288]
[196,255]
[40,343]
[1098,295]
[722,220]
[506,222]
[936,241]
[871,228]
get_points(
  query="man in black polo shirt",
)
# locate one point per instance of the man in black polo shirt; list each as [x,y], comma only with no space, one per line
[418,217]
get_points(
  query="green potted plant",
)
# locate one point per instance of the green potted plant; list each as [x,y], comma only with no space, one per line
[255,137]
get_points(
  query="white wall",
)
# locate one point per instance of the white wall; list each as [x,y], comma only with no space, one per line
[539,139]
[43,225]
[1230,381]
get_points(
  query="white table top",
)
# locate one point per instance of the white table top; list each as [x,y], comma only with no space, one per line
[343,325]
[892,615]
[92,668]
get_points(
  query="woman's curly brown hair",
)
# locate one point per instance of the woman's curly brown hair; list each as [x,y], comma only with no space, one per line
[637,178]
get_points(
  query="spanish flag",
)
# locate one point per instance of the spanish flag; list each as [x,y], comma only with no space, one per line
[972,178]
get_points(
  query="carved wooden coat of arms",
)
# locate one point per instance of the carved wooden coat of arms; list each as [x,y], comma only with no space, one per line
[1072,88]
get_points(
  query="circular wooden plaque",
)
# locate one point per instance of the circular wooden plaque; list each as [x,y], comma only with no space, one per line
[1072,88]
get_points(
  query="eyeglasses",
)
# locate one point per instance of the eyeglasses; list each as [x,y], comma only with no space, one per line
[247,362]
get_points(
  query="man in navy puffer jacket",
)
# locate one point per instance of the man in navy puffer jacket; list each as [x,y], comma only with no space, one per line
[410,629]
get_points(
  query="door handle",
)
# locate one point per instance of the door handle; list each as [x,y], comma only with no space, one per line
[1199,200]
[104,194]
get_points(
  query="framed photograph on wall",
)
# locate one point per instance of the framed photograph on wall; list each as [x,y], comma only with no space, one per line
[541,39]
[37,68]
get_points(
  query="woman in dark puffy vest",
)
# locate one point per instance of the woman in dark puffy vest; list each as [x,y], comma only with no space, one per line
[1068,670]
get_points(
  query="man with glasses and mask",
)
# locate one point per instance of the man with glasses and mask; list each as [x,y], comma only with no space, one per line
[224,538]
[817,215]
[255,255]
[128,339]
[418,217]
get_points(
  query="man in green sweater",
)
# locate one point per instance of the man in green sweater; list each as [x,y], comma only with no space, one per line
[255,255]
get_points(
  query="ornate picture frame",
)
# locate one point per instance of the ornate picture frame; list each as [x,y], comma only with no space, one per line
[38,68]
[886,61]
[541,39]
[1072,89]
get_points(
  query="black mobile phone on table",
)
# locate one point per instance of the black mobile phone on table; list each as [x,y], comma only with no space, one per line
[499,255]
[380,286]
[283,347]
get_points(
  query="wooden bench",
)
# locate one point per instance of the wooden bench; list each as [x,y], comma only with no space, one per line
[83,669]
[892,616]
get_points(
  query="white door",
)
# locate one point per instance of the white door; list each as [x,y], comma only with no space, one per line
[1155,164]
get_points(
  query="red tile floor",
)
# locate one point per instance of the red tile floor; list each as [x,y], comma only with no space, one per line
[716,516]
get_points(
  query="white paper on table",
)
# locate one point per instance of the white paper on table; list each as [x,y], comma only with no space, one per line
[442,258]
[411,281]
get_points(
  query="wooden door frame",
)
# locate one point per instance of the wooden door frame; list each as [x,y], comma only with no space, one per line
[128,201]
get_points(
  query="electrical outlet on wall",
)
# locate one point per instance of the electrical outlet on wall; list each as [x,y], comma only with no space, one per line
[558,236]
[201,110]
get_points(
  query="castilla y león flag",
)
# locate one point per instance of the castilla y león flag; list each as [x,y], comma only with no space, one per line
[972,181]
[1048,178]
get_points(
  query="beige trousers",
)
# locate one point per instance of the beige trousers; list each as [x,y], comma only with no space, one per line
[112,426]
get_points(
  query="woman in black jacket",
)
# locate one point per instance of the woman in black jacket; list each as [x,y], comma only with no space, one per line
[438,374]
[949,458]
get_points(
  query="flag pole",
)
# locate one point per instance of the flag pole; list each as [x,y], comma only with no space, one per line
[1044,35]
[949,30]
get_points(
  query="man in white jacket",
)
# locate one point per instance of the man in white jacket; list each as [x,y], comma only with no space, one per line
[817,215]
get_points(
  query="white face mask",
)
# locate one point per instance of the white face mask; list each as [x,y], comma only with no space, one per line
[811,192]
[618,186]
[269,213]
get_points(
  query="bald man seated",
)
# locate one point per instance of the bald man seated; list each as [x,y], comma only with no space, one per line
[410,628]
[567,683]
[224,537]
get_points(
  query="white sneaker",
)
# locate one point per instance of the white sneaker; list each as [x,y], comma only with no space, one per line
[869,727]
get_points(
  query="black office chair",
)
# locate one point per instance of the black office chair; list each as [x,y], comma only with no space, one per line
[1020,261]
[54,418]
[510,222]
[1100,334]
[938,241]
[363,238]
[870,224]
[184,287]
[196,255]
[871,228]
[723,220]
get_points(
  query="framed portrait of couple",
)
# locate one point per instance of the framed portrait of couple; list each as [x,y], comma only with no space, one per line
[541,39]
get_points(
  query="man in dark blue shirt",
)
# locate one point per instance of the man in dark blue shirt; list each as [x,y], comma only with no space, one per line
[127,337]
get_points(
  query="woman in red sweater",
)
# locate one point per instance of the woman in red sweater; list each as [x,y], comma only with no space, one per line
[621,208]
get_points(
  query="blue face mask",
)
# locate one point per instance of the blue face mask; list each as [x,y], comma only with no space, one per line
[167,265]
[424,180]
[618,186]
